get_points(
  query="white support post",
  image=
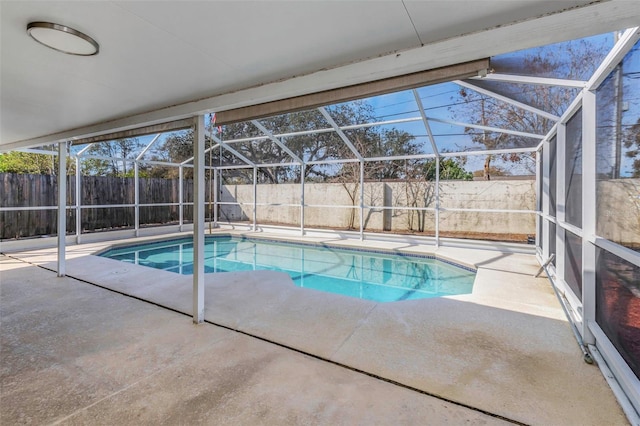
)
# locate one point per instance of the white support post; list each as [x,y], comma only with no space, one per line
[198,220]
[561,195]
[62,206]
[209,216]
[136,195]
[361,200]
[302,170]
[78,200]
[427,127]
[255,198]
[180,197]
[538,199]
[216,192]
[589,207]
[437,202]
[546,208]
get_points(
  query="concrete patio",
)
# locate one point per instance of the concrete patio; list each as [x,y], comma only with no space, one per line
[274,353]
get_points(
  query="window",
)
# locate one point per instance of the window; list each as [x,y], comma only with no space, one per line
[618,305]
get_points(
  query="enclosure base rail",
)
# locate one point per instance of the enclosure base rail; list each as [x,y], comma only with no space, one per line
[586,356]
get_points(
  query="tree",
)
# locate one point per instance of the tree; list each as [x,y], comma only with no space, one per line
[249,140]
[573,60]
[420,188]
[632,145]
[370,143]
[32,163]
[117,151]
[316,147]
[28,163]
[450,169]
[262,150]
[176,148]
[493,170]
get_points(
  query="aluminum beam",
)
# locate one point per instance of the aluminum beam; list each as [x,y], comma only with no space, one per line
[425,121]
[144,151]
[542,81]
[354,127]
[206,151]
[37,151]
[507,100]
[340,133]
[489,152]
[621,48]
[233,151]
[276,141]
[487,128]
[402,157]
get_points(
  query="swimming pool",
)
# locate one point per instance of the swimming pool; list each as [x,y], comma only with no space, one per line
[378,276]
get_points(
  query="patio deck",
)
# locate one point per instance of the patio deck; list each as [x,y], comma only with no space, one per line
[76,353]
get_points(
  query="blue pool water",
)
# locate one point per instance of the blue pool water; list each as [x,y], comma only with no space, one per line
[365,274]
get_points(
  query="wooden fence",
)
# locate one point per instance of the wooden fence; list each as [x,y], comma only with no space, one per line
[22,190]
[41,190]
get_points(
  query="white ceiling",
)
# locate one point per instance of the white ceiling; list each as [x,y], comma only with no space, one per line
[163,59]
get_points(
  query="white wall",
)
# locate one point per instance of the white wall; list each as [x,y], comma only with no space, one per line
[503,194]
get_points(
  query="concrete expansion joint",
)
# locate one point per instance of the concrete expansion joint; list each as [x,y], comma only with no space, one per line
[111,395]
[360,324]
[368,374]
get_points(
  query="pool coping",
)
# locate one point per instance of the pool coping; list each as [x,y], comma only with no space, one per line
[289,240]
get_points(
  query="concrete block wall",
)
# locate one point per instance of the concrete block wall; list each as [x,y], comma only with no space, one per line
[504,194]
[618,204]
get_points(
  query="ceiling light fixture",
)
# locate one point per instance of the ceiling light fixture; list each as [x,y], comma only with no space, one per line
[63,39]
